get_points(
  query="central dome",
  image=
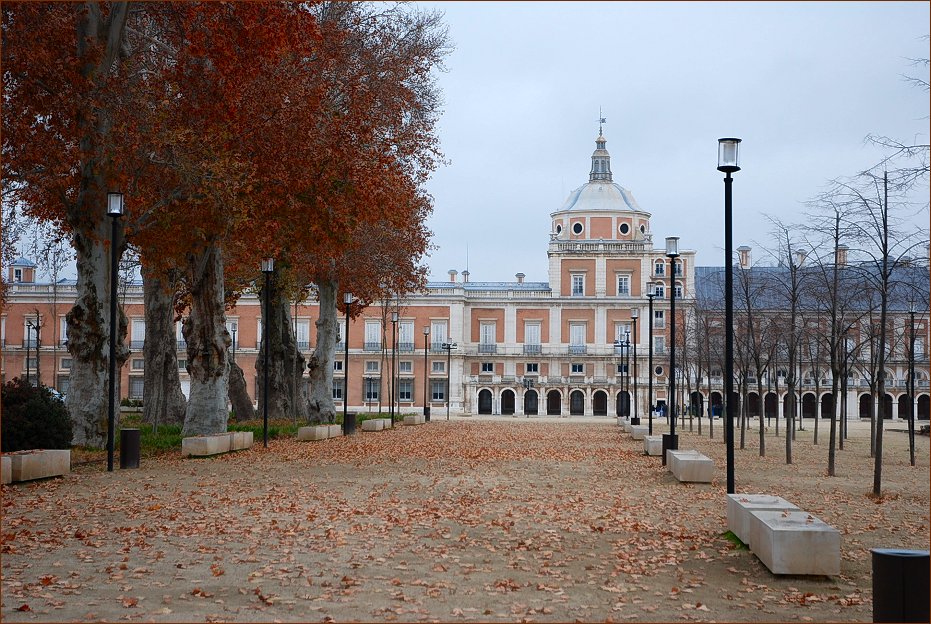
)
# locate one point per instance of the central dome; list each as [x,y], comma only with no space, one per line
[600,196]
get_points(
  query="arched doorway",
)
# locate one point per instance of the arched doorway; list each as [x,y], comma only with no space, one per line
[809,405]
[753,404]
[553,403]
[697,402]
[771,405]
[576,403]
[827,405]
[716,405]
[887,406]
[622,404]
[484,402]
[530,402]
[866,406]
[507,402]
[924,407]
[902,411]
[600,403]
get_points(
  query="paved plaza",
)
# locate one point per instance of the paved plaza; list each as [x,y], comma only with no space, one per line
[491,519]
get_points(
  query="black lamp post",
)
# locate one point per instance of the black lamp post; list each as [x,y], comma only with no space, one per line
[634,315]
[449,346]
[630,413]
[349,422]
[671,440]
[727,164]
[234,344]
[651,293]
[426,373]
[394,350]
[268,266]
[29,328]
[115,210]
[911,383]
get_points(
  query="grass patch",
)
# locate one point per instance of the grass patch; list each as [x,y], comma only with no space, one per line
[738,545]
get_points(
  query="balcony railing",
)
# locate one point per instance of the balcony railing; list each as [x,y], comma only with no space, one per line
[371,346]
[303,344]
[577,350]
[437,346]
[182,345]
[533,349]
[29,343]
[406,347]
[341,346]
[136,345]
[487,348]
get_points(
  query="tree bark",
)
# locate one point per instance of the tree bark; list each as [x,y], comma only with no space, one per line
[285,362]
[207,343]
[238,394]
[320,365]
[164,401]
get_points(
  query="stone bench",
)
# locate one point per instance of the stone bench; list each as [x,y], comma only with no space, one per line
[792,541]
[653,445]
[203,446]
[739,507]
[318,432]
[39,464]
[240,440]
[621,421]
[375,424]
[638,432]
[414,419]
[7,469]
[690,465]
[335,431]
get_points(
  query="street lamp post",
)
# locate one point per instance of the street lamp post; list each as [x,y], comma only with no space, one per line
[727,164]
[115,210]
[426,373]
[634,314]
[630,413]
[651,293]
[449,346]
[349,422]
[29,328]
[234,344]
[911,383]
[671,440]
[394,351]
[843,401]
[268,266]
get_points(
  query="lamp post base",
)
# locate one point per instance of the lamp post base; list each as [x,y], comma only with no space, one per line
[426,413]
[670,443]
[635,420]
[349,423]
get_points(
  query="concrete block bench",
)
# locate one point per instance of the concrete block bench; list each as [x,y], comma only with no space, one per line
[638,432]
[203,446]
[739,507]
[653,445]
[690,465]
[414,419]
[621,421]
[335,430]
[7,470]
[792,541]
[318,432]
[240,440]
[39,464]
[375,424]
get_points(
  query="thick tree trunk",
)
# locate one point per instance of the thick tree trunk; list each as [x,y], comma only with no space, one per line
[89,339]
[285,362]
[164,401]
[238,394]
[207,343]
[320,365]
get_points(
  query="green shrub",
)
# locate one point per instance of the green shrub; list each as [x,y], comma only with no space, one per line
[33,418]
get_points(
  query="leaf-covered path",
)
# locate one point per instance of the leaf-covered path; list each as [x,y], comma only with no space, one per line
[452,521]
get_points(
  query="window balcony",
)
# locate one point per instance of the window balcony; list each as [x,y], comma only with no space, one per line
[437,347]
[577,350]
[406,347]
[533,349]
[487,348]
[371,346]
[303,344]
[136,345]
[29,343]
[182,345]
[341,346]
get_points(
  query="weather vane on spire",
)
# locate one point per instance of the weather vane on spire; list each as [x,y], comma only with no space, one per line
[601,120]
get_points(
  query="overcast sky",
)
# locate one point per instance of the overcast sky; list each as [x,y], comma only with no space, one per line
[801,83]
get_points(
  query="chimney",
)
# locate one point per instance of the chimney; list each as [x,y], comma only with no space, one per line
[465,276]
[800,258]
[520,278]
[743,253]
[840,258]
[452,275]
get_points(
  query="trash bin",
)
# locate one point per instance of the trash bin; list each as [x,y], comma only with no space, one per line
[900,585]
[670,442]
[426,413]
[129,448]
[349,423]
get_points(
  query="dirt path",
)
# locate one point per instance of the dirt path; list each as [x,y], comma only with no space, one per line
[472,520]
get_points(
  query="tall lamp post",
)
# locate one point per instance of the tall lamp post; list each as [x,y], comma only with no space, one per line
[651,293]
[426,373]
[115,210]
[911,382]
[727,164]
[671,440]
[268,267]
[394,351]
[349,422]
[449,346]
[630,412]
[634,315]
[29,328]
[234,344]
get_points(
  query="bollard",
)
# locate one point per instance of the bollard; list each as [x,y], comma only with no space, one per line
[129,448]
[900,585]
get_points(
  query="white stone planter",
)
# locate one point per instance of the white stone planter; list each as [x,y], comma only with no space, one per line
[7,469]
[318,432]
[690,465]
[653,445]
[39,464]
[202,446]
[739,507]
[795,542]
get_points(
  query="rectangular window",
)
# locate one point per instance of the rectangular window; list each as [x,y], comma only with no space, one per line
[136,385]
[438,390]
[438,334]
[137,339]
[302,333]
[533,367]
[405,366]
[179,335]
[406,390]
[371,366]
[406,336]
[439,366]
[659,268]
[623,285]
[31,363]
[678,267]
[337,389]
[678,291]
[138,364]
[182,365]
[62,330]
[660,290]
[372,386]
[488,367]
[337,365]
[621,369]
[487,338]
[65,363]
[620,332]
[17,275]
[577,333]
[578,285]
[577,368]
[659,319]
[532,333]
[919,347]
[659,344]
[64,384]
[372,336]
